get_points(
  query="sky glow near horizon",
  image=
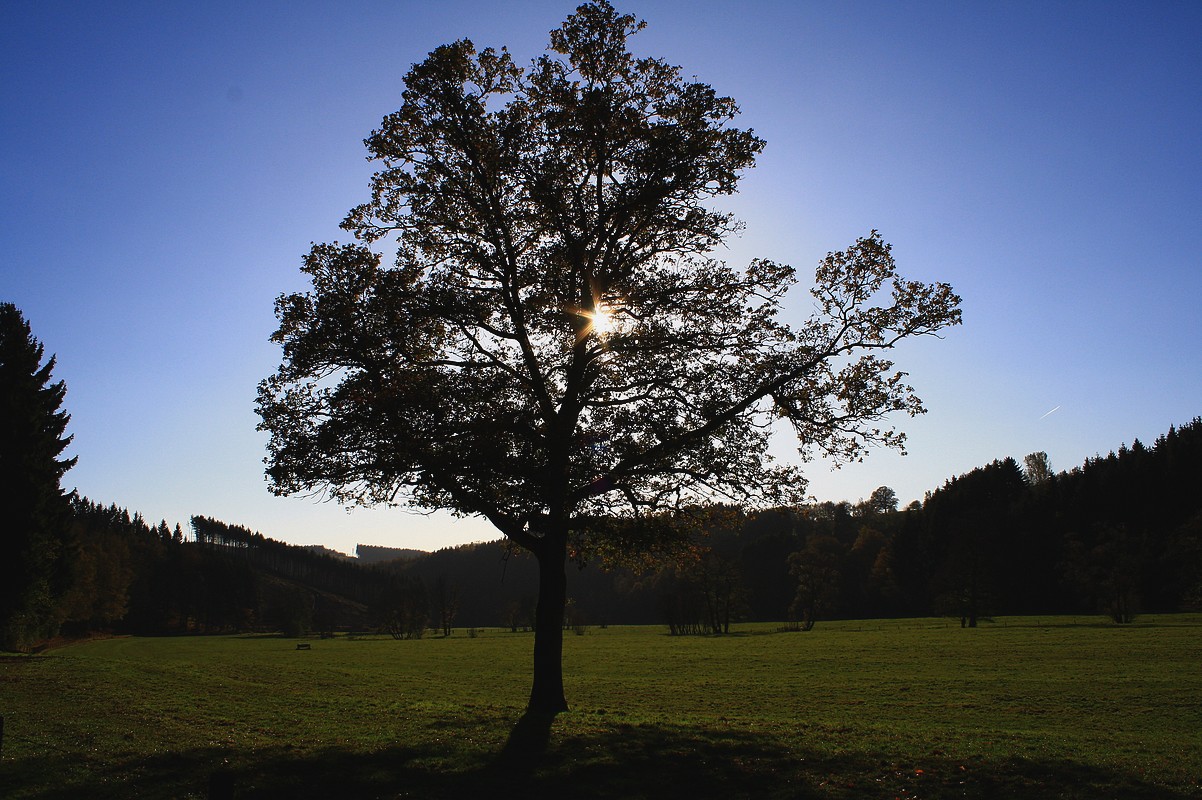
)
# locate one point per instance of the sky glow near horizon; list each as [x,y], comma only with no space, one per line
[165,168]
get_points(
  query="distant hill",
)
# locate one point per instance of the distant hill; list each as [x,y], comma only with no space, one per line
[321,549]
[374,554]
[1119,534]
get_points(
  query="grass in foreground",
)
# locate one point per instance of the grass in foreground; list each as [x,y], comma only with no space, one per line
[1037,707]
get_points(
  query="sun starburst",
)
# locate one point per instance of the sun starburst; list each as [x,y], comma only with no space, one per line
[602,321]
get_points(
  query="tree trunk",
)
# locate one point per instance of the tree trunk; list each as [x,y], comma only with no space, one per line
[546,695]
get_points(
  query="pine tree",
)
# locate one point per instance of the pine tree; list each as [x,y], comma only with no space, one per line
[35,510]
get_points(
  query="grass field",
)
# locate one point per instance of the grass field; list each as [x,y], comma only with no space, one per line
[1032,707]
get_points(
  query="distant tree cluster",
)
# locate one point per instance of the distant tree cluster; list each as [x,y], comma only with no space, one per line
[124,574]
[1118,534]
[74,566]
[149,579]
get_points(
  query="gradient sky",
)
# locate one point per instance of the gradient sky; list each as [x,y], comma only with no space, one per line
[165,165]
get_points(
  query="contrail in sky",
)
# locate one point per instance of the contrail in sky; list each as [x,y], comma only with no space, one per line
[1050,413]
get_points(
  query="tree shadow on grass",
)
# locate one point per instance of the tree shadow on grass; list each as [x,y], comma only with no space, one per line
[618,760]
[527,745]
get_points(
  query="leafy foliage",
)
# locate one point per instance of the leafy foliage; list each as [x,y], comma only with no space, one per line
[526,204]
[552,345]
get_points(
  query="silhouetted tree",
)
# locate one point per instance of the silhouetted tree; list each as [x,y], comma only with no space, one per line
[1037,468]
[404,608]
[702,594]
[445,600]
[863,569]
[1182,564]
[767,540]
[971,519]
[833,519]
[551,346]
[519,613]
[1107,568]
[905,565]
[816,567]
[882,501]
[36,512]
[681,605]
[101,570]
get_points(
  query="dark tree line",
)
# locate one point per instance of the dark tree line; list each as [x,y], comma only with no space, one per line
[1118,534]
[143,578]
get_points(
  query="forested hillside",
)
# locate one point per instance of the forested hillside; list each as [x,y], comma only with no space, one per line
[1117,535]
[131,576]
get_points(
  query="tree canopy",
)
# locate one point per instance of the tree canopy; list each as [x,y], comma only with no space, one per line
[551,345]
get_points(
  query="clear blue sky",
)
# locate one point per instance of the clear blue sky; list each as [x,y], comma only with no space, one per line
[165,166]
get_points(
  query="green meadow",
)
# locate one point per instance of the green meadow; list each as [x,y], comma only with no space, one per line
[1025,707]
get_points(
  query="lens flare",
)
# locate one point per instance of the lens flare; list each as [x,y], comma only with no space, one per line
[603,323]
